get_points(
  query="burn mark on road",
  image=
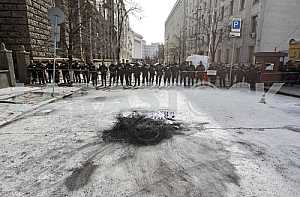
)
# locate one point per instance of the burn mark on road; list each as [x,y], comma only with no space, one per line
[80,176]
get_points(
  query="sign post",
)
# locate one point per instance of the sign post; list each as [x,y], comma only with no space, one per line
[56,17]
[236,26]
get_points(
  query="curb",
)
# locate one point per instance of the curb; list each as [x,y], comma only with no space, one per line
[288,94]
[285,93]
[35,108]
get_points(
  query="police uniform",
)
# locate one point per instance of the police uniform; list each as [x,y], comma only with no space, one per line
[175,74]
[137,75]
[152,74]
[167,76]
[159,74]
[112,74]
[103,70]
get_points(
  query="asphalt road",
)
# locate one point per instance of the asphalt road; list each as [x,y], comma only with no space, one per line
[232,146]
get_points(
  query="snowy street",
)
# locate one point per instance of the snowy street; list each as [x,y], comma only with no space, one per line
[232,146]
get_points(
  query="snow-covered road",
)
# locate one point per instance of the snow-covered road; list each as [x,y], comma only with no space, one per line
[233,146]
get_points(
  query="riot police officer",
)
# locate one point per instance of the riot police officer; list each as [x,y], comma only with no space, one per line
[159,74]
[167,75]
[175,74]
[137,74]
[128,73]
[152,74]
[103,70]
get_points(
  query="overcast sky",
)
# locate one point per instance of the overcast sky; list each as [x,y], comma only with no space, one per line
[154,15]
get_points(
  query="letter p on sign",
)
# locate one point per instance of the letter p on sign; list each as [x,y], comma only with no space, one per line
[236,25]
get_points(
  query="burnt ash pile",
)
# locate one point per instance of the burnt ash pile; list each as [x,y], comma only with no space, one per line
[138,129]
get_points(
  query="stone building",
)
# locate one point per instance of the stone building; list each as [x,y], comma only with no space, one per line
[267,25]
[25,22]
[89,31]
[151,51]
[175,32]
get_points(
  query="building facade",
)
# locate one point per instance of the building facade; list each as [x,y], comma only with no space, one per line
[137,46]
[151,51]
[267,25]
[89,32]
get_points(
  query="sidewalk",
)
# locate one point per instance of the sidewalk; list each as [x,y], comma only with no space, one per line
[17,102]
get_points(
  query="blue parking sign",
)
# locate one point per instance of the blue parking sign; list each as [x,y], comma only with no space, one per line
[236,25]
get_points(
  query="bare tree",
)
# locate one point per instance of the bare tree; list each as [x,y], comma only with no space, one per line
[210,31]
[124,8]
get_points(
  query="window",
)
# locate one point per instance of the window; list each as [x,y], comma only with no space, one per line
[227,56]
[231,7]
[254,24]
[222,13]
[237,55]
[269,66]
[242,4]
[251,54]
[219,56]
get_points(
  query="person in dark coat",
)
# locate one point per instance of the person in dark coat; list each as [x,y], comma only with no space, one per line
[191,74]
[32,72]
[145,74]
[128,73]
[200,69]
[159,74]
[152,74]
[112,74]
[86,73]
[41,72]
[221,72]
[167,75]
[103,70]
[77,71]
[252,77]
[94,74]
[240,74]
[175,74]
[49,68]
[65,72]
[57,73]
[183,73]
[121,72]
[137,74]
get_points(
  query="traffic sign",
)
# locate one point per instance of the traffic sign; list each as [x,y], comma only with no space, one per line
[235,34]
[236,25]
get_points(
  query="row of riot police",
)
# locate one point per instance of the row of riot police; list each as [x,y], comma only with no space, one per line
[137,74]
